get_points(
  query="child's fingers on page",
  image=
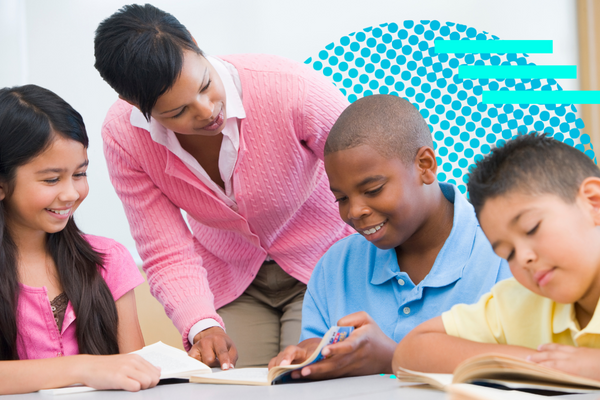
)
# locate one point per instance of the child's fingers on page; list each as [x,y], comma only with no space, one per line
[130,385]
[287,356]
[143,378]
[546,356]
[325,369]
[556,347]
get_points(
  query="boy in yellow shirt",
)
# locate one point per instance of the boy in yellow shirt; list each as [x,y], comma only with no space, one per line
[538,202]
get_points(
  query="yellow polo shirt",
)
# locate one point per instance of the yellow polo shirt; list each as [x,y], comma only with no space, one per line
[512,314]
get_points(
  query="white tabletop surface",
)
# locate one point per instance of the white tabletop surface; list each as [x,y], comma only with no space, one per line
[366,387]
[380,387]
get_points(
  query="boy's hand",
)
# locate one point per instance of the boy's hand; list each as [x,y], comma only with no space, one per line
[295,354]
[214,348]
[366,351]
[581,361]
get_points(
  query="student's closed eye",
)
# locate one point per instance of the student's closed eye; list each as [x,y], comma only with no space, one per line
[374,191]
[534,229]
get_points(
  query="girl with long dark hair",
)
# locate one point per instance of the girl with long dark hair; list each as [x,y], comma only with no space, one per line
[65,298]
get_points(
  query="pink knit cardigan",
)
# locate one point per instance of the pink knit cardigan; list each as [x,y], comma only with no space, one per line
[285,208]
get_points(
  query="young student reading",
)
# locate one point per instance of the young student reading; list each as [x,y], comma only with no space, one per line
[418,250]
[538,202]
[63,293]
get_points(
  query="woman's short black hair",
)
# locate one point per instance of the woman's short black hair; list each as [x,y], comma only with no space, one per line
[139,53]
[532,164]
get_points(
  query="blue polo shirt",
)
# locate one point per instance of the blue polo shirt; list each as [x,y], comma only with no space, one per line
[354,275]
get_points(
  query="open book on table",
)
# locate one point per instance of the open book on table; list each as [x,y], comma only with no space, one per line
[173,363]
[503,372]
[279,374]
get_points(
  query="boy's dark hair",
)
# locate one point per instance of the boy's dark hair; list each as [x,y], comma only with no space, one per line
[533,164]
[389,124]
[31,118]
[139,53]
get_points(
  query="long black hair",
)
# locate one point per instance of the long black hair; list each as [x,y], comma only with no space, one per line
[30,119]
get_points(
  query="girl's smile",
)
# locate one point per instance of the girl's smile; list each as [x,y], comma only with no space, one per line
[47,190]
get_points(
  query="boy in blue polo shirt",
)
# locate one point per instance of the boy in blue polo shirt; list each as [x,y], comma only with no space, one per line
[418,251]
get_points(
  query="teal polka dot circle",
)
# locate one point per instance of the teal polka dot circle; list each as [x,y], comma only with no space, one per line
[400,59]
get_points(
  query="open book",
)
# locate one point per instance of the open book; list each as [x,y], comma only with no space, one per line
[279,374]
[173,363]
[503,372]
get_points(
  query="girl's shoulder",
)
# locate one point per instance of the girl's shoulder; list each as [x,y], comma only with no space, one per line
[119,270]
[104,245]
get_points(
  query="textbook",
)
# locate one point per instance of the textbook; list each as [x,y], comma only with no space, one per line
[173,363]
[279,374]
[503,372]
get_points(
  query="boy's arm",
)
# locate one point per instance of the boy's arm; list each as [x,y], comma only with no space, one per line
[428,348]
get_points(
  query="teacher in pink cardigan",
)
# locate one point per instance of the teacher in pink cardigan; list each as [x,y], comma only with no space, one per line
[237,143]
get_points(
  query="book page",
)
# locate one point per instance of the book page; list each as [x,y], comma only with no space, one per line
[334,335]
[258,375]
[172,362]
[439,381]
[503,367]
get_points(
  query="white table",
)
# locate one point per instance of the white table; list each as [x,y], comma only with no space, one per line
[364,387]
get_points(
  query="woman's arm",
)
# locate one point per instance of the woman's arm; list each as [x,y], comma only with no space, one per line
[428,348]
[129,333]
[173,266]
[128,371]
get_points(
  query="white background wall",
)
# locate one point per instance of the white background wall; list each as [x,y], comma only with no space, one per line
[50,43]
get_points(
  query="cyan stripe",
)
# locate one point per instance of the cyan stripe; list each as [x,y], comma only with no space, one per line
[541,97]
[517,71]
[494,46]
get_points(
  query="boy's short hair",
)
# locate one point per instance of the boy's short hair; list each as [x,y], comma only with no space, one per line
[389,124]
[139,53]
[533,164]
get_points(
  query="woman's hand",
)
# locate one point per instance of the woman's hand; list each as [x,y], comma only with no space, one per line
[122,371]
[214,348]
[295,354]
[582,361]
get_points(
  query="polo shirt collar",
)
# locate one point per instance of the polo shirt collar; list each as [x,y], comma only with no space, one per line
[454,255]
[386,267]
[565,318]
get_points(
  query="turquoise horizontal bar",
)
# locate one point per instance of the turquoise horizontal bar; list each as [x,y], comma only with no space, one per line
[541,97]
[494,46]
[517,71]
